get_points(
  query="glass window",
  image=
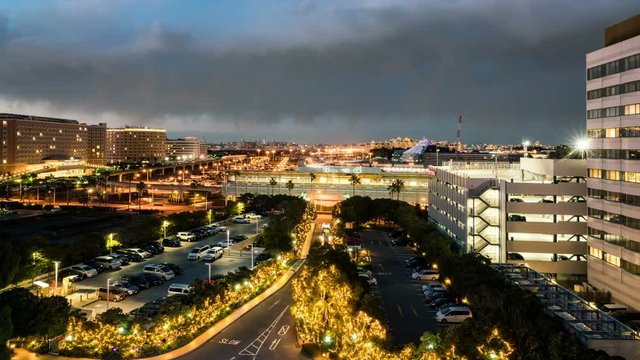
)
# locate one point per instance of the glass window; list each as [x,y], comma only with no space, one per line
[595,173]
[612,133]
[597,253]
[612,259]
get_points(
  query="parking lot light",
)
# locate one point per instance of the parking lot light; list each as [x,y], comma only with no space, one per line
[447,281]
[434,266]
[465,301]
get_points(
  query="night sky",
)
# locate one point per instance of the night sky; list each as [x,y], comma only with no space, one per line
[308,71]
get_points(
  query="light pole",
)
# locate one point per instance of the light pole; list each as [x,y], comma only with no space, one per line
[228,244]
[209,266]
[437,153]
[165,225]
[110,245]
[108,290]
[257,222]
[251,256]
[56,266]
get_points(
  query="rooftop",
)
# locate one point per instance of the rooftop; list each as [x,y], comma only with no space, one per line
[579,316]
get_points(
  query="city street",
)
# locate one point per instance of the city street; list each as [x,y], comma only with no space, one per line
[400,296]
[192,269]
[266,332]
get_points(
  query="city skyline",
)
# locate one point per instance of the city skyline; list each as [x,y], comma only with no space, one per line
[307,71]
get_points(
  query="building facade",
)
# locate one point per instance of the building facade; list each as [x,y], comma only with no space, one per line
[133,144]
[613,126]
[533,212]
[189,148]
[27,140]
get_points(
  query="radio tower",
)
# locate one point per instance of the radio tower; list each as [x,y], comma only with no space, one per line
[458,143]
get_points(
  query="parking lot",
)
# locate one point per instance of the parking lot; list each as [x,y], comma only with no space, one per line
[192,269]
[401,297]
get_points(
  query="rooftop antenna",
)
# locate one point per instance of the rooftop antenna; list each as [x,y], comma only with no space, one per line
[458,143]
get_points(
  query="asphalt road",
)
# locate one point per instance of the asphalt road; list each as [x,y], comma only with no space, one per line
[266,332]
[192,270]
[401,297]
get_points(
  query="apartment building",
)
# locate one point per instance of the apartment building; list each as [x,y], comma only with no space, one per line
[27,140]
[189,148]
[533,212]
[613,126]
[136,144]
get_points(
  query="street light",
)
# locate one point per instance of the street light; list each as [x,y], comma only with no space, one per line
[437,153]
[56,266]
[582,145]
[524,145]
[228,244]
[251,256]
[209,266]
[165,225]
[108,286]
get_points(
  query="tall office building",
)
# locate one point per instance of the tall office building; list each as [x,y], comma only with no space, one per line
[189,148]
[29,140]
[613,126]
[134,144]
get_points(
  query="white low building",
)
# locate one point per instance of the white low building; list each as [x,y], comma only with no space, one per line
[533,212]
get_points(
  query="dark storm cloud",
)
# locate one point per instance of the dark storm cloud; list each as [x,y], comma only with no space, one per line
[512,69]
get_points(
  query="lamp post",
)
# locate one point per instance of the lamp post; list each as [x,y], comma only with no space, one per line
[108,290]
[209,266]
[525,144]
[228,244]
[251,256]
[257,222]
[437,153]
[165,225]
[56,265]
[110,244]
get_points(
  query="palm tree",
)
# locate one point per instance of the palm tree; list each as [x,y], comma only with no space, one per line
[354,180]
[396,187]
[140,187]
[312,178]
[290,185]
[273,184]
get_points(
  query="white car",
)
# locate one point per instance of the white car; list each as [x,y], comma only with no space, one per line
[454,314]
[426,275]
[87,270]
[109,262]
[198,252]
[241,220]
[164,272]
[142,253]
[213,254]
[222,228]
[369,279]
[186,236]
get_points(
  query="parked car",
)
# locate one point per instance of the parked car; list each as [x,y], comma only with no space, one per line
[140,281]
[433,294]
[99,267]
[222,228]
[135,257]
[213,254]
[171,242]
[177,270]
[514,217]
[401,241]
[426,275]
[238,238]
[179,289]
[369,279]
[241,220]
[126,287]
[224,244]
[87,270]
[108,262]
[415,261]
[516,200]
[73,275]
[186,236]
[152,278]
[198,252]
[114,295]
[456,314]
[162,271]
[144,254]
[124,259]
[263,256]
[441,302]
[154,248]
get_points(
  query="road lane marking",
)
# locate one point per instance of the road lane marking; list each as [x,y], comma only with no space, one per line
[414,310]
[274,304]
[283,330]
[274,343]
[399,310]
[255,346]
